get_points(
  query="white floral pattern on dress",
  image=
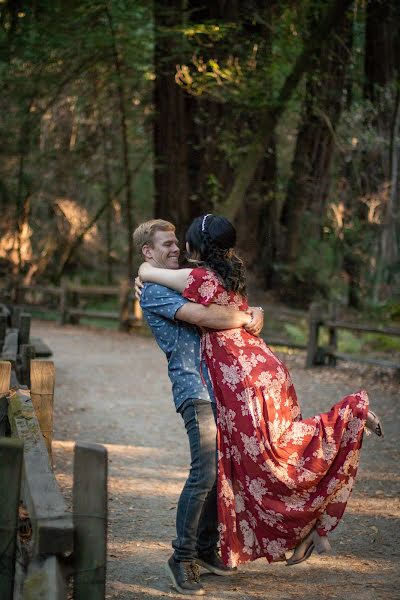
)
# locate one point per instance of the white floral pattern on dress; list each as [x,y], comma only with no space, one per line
[226,492]
[226,419]
[276,548]
[256,488]
[232,375]
[267,502]
[250,445]
[249,538]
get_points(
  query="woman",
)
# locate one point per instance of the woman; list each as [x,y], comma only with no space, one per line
[283,481]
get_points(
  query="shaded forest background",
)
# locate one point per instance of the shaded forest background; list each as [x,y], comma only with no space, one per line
[283,115]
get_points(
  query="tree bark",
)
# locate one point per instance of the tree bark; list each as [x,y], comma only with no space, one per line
[248,166]
[390,236]
[315,146]
[381,88]
[382,45]
[108,200]
[171,173]
[125,145]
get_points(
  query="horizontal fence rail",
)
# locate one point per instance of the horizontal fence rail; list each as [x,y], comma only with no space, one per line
[68,299]
[70,307]
[320,355]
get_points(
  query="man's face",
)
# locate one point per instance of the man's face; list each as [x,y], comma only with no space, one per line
[164,252]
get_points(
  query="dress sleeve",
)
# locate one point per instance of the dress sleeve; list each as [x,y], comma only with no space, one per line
[202,286]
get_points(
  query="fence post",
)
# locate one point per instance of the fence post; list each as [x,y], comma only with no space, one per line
[332,332]
[11,451]
[3,329]
[5,382]
[24,329]
[42,375]
[90,521]
[45,580]
[74,298]
[19,294]
[15,316]
[27,353]
[124,305]
[314,322]
[63,305]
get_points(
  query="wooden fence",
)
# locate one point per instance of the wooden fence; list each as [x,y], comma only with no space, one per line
[69,302]
[62,548]
[329,355]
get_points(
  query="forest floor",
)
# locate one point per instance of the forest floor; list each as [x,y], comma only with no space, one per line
[112,388]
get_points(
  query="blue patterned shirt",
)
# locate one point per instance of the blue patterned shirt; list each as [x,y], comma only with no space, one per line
[180,342]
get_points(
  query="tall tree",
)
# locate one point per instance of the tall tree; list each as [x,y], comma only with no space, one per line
[305,205]
[382,89]
[332,14]
[171,173]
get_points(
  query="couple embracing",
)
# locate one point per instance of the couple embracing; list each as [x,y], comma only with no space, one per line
[263,481]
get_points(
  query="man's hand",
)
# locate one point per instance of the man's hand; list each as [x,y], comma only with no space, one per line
[257,320]
[138,288]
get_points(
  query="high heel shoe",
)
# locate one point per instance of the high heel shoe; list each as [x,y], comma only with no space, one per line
[374,424]
[313,541]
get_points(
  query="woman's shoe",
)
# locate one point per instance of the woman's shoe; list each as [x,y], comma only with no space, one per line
[312,542]
[374,424]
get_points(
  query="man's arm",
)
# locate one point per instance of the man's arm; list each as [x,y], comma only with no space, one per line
[220,317]
[215,316]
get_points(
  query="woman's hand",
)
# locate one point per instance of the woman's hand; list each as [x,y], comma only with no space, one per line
[256,323]
[138,288]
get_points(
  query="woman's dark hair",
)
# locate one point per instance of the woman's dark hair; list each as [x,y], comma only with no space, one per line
[213,238]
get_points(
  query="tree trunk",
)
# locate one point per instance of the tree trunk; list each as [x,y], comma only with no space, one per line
[125,145]
[381,87]
[315,146]
[192,170]
[382,46]
[171,173]
[245,173]
[390,237]
[108,200]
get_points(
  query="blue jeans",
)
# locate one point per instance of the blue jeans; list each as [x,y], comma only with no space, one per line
[196,517]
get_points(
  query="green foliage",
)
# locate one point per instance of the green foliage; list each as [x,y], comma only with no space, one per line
[60,125]
[376,341]
[314,275]
[60,113]
[229,66]
[296,333]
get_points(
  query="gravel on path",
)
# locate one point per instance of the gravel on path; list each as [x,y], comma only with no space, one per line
[112,388]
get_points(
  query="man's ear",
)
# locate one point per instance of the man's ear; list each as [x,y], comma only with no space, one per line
[147,251]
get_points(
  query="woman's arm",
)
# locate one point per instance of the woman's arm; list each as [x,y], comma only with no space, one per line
[172,278]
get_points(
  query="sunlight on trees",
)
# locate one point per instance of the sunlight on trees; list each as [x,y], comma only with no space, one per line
[284,116]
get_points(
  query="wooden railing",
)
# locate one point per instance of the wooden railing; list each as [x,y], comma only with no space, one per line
[320,355]
[69,302]
[69,305]
[61,542]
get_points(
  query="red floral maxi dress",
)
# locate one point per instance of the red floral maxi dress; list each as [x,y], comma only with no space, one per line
[278,474]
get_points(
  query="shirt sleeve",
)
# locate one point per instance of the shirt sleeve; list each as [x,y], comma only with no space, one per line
[202,286]
[161,301]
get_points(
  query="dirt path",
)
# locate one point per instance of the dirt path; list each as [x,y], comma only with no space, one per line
[112,388]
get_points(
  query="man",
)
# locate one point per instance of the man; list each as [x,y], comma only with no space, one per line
[172,320]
